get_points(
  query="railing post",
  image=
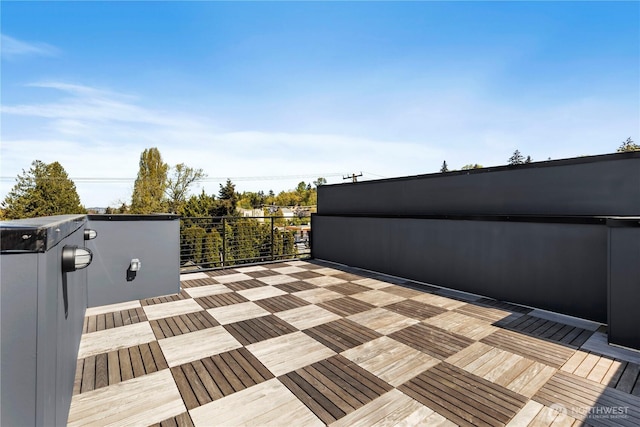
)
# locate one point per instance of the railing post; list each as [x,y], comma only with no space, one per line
[224,241]
[272,241]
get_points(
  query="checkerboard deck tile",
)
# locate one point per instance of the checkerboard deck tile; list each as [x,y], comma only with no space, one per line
[313,343]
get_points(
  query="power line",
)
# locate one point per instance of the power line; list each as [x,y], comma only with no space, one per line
[115,180]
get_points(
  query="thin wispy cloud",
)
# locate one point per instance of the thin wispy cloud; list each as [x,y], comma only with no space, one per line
[110,128]
[13,48]
[85,103]
[96,132]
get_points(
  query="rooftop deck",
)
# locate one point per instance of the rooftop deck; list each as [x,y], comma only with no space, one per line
[309,343]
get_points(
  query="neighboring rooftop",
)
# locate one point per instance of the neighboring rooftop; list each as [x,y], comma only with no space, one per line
[313,343]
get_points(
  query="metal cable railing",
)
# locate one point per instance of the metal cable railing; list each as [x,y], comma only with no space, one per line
[217,242]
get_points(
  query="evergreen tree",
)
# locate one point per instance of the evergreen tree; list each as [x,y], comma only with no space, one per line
[516,158]
[42,191]
[202,205]
[149,188]
[444,167]
[228,198]
[628,145]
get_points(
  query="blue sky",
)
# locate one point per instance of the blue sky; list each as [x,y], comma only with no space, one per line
[258,90]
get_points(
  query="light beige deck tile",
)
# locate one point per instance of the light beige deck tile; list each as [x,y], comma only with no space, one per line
[297,263]
[250,269]
[237,312]
[317,295]
[267,404]
[280,279]
[462,324]
[530,381]
[378,298]
[469,354]
[434,420]
[289,270]
[235,277]
[439,301]
[197,345]
[114,339]
[326,271]
[372,283]
[262,292]
[507,364]
[137,402]
[526,414]
[383,321]
[390,360]
[307,317]
[289,352]
[194,276]
[391,409]
[173,308]
[204,291]
[112,307]
[325,281]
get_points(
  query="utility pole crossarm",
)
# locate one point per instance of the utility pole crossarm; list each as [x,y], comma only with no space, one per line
[353,177]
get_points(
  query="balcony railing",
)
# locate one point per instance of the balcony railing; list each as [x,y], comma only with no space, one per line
[218,242]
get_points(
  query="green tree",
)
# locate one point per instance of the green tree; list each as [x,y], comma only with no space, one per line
[320,181]
[251,200]
[444,167]
[528,159]
[42,191]
[228,199]
[628,145]
[516,158]
[151,183]
[472,166]
[202,205]
[178,185]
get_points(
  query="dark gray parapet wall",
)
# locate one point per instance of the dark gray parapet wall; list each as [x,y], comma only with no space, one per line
[606,185]
[554,266]
[532,234]
[152,239]
[624,281]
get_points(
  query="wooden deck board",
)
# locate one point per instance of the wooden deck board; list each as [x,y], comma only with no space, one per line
[578,395]
[431,340]
[550,330]
[532,348]
[342,334]
[259,329]
[439,388]
[220,300]
[296,286]
[334,387]
[110,320]
[348,288]
[181,420]
[415,309]
[281,303]
[110,368]
[405,356]
[346,306]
